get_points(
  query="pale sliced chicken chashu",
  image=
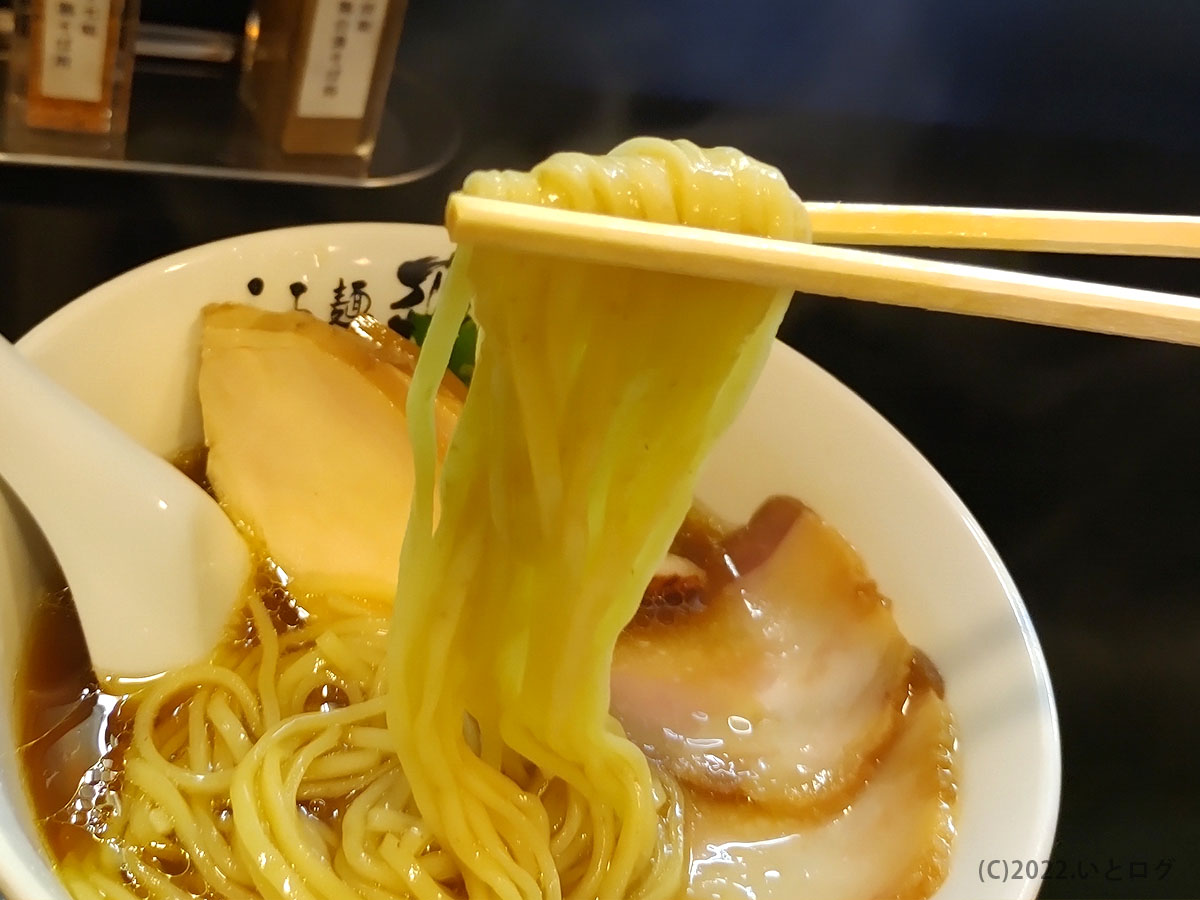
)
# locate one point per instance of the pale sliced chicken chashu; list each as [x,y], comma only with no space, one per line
[308,445]
[780,687]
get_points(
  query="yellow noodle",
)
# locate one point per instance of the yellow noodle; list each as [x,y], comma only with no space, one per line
[267,685]
[198,746]
[401,855]
[207,849]
[228,727]
[519,575]
[154,882]
[342,657]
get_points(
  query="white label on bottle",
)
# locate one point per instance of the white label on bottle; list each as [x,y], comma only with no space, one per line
[74,38]
[341,58]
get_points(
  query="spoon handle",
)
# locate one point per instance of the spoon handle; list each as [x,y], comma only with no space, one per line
[154,565]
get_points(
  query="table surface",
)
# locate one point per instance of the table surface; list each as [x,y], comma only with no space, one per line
[1076,452]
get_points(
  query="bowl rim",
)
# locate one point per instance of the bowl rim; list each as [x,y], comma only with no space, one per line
[1043,835]
[33,339]
[41,336]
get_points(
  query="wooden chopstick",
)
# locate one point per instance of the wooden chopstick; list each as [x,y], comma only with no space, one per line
[1044,231]
[831,271]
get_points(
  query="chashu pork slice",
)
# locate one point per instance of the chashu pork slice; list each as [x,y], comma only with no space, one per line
[892,841]
[307,441]
[780,688]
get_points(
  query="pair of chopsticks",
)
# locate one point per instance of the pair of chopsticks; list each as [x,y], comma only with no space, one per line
[880,277]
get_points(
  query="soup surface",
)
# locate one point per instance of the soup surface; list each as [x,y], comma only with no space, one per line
[763,672]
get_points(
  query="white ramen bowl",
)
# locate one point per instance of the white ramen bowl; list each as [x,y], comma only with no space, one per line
[130,349]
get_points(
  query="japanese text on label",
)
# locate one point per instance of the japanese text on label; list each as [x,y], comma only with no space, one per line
[341,58]
[74,39]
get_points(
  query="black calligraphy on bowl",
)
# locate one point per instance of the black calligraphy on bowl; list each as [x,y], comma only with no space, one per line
[416,286]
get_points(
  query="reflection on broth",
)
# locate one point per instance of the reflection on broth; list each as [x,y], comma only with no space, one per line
[68,729]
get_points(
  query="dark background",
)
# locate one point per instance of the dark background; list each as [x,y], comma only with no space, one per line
[1078,453]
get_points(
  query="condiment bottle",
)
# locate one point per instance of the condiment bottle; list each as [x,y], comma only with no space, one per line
[319,70]
[71,65]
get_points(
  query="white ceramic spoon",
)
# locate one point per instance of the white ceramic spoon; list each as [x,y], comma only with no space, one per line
[154,565]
